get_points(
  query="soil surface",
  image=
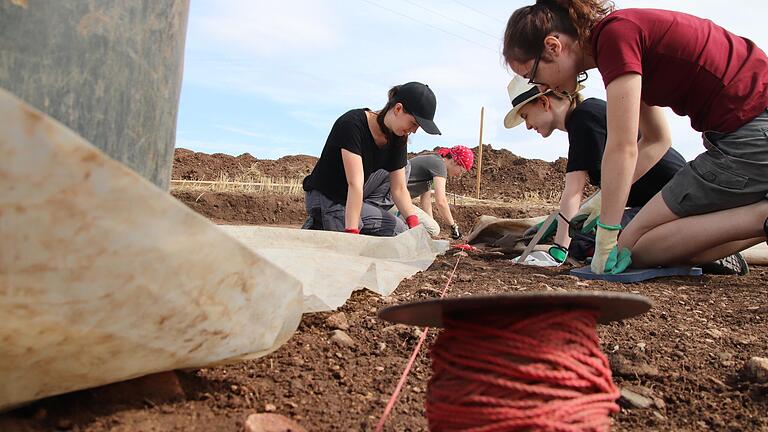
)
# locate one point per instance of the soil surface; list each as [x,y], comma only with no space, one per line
[190,165]
[685,356]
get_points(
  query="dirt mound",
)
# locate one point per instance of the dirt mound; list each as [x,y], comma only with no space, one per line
[507,176]
[190,165]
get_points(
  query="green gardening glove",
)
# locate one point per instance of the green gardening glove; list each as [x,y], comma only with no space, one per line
[558,253]
[608,259]
[549,232]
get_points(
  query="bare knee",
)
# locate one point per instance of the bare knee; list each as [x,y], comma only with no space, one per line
[654,214]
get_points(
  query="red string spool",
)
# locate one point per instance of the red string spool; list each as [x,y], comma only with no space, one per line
[529,362]
[543,372]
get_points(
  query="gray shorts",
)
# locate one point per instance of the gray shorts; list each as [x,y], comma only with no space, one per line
[733,172]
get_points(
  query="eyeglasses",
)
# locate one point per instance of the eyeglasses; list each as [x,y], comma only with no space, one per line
[532,79]
[580,78]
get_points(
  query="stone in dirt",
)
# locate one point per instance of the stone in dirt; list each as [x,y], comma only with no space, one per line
[338,321]
[621,366]
[756,370]
[271,423]
[340,338]
[632,400]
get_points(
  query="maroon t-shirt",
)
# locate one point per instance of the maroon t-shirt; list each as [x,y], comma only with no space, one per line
[689,64]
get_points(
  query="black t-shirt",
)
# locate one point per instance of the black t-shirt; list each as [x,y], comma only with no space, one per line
[351,132]
[587,132]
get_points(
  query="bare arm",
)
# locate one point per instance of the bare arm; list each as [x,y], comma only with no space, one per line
[655,139]
[621,148]
[441,200]
[569,204]
[353,168]
[400,194]
[426,202]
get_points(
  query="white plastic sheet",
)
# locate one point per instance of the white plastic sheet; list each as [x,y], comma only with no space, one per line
[104,277]
[331,265]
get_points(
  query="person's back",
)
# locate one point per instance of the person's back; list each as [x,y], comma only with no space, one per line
[687,63]
[424,168]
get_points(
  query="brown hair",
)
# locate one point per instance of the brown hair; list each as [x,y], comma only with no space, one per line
[391,102]
[529,25]
[575,98]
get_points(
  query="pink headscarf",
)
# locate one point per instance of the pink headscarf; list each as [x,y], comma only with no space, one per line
[462,155]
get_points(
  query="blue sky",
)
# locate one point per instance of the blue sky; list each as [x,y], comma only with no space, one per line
[269,78]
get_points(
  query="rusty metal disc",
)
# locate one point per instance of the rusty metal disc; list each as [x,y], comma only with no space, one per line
[612,306]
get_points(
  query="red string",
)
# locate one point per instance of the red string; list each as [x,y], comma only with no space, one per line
[404,376]
[541,372]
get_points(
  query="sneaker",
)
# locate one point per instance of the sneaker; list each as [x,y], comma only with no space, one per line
[730,265]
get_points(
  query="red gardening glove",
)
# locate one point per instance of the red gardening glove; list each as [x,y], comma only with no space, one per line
[412,221]
[352,230]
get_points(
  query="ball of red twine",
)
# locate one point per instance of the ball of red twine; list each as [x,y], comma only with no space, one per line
[541,372]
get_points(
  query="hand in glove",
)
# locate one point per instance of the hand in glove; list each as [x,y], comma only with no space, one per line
[558,253]
[455,233]
[412,221]
[589,210]
[550,230]
[608,258]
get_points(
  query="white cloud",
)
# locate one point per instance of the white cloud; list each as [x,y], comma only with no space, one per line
[268,28]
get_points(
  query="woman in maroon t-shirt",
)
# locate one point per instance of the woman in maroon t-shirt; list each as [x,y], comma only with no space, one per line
[648,58]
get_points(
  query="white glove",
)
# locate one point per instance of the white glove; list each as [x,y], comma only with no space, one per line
[591,209]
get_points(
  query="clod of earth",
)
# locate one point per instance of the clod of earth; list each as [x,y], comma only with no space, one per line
[340,338]
[757,370]
[271,423]
[338,321]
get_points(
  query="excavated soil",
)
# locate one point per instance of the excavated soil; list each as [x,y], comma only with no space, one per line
[685,356]
[505,176]
[190,165]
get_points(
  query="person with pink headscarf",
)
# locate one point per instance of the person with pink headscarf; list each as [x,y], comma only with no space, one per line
[430,172]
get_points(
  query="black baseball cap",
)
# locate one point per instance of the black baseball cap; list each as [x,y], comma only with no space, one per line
[419,101]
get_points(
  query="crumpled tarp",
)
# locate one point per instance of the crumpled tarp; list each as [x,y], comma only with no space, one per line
[331,265]
[104,277]
[499,234]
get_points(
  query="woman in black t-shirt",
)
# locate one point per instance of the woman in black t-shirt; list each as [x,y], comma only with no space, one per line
[346,190]
[585,122]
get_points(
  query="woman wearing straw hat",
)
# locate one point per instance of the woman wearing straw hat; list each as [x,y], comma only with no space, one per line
[649,58]
[585,123]
[346,191]
[431,171]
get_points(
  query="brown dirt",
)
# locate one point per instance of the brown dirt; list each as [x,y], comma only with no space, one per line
[190,165]
[504,175]
[270,208]
[507,176]
[686,353]
[245,208]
